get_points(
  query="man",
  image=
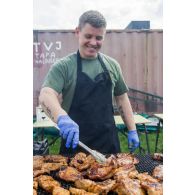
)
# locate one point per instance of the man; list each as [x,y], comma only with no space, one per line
[88,81]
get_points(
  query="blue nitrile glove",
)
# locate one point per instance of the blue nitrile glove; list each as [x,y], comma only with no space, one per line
[133,140]
[69,130]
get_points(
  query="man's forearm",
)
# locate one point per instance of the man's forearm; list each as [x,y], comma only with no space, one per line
[125,110]
[50,104]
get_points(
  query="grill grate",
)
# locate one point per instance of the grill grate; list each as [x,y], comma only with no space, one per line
[146,164]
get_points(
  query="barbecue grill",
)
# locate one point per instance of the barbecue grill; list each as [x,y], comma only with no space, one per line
[146,164]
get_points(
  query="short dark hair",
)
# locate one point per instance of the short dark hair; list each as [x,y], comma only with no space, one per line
[94,18]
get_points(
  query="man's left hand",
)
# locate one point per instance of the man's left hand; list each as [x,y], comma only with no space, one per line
[133,140]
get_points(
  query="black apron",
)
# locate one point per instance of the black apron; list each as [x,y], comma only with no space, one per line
[92,110]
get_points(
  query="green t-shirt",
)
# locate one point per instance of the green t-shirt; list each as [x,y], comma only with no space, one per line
[63,74]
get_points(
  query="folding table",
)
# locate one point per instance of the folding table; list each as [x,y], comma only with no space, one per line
[160,117]
[138,120]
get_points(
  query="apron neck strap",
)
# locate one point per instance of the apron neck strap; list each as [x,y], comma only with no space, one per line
[79,63]
[102,63]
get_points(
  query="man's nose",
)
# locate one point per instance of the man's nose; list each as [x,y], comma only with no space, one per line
[93,42]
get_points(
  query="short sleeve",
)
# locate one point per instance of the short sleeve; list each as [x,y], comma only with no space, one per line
[55,78]
[120,85]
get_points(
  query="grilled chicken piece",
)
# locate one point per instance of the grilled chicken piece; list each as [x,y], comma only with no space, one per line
[47,183]
[96,187]
[40,167]
[52,166]
[37,162]
[106,185]
[112,160]
[70,174]
[123,172]
[81,161]
[75,191]
[60,191]
[35,185]
[158,156]
[133,174]
[78,159]
[127,186]
[100,171]
[153,188]
[38,157]
[34,192]
[126,159]
[56,159]
[145,177]
[35,179]
[40,172]
[158,172]
[150,184]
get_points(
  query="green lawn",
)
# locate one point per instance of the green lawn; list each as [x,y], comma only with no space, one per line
[54,149]
[151,138]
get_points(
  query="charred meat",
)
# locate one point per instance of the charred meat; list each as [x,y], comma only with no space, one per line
[158,172]
[35,185]
[47,183]
[96,187]
[56,159]
[126,159]
[145,177]
[34,192]
[158,156]
[153,188]
[127,186]
[81,161]
[70,174]
[60,191]
[37,162]
[75,191]
[40,172]
[52,166]
[41,167]
[123,172]
[99,171]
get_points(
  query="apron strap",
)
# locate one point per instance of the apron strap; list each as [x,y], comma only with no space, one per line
[102,63]
[79,63]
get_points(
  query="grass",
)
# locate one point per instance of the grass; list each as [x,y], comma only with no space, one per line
[54,149]
[151,138]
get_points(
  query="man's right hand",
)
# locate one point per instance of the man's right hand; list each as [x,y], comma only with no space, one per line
[69,130]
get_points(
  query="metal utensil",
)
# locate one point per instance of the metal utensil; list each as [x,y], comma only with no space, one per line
[97,155]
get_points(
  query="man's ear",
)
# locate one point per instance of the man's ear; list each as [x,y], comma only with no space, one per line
[77,30]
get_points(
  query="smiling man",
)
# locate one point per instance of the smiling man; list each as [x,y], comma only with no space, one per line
[88,82]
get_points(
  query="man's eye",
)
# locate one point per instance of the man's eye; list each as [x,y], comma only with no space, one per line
[88,36]
[99,38]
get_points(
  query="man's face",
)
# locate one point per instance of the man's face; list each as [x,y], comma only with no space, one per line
[90,40]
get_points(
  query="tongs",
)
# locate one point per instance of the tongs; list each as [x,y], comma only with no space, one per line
[97,155]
